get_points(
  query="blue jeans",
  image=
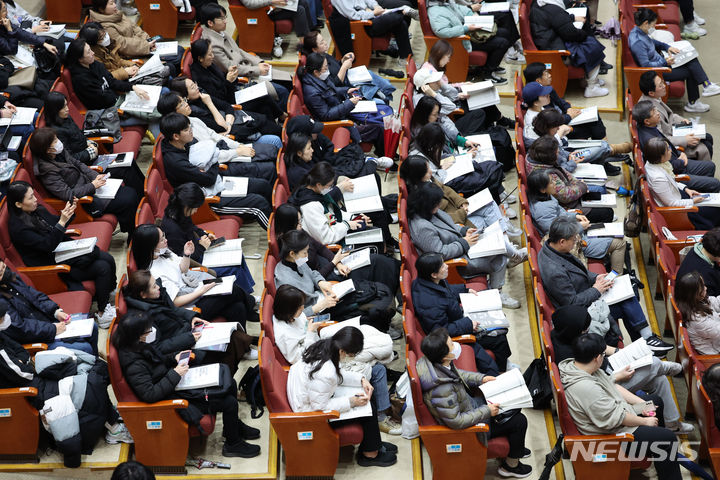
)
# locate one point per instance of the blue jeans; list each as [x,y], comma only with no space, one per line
[632,315]
[283,94]
[596,188]
[87,345]
[271,139]
[380,389]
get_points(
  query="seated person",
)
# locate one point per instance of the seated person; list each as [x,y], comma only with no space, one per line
[11,34]
[151,376]
[569,190]
[428,109]
[173,326]
[176,146]
[645,52]
[437,305]
[669,193]
[185,289]
[701,172]
[544,208]
[445,393]
[537,72]
[312,382]
[227,54]
[223,119]
[36,233]
[598,406]
[711,383]
[700,313]
[302,17]
[568,282]
[35,318]
[703,258]
[67,178]
[552,29]
[654,90]
[433,231]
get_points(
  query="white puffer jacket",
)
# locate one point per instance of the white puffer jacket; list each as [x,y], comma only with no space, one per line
[293,338]
[306,394]
[704,330]
[377,347]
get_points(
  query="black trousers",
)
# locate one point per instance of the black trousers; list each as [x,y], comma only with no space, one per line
[302,20]
[514,430]
[123,206]
[262,172]
[500,348]
[687,9]
[495,47]
[594,130]
[132,177]
[371,430]
[693,74]
[389,23]
[238,306]
[101,270]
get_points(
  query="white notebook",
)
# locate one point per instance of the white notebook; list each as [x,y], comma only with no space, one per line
[77,328]
[479,200]
[166,48]
[251,93]
[508,390]
[343,391]
[330,330]
[621,290]
[606,200]
[357,259]
[463,165]
[216,333]
[485,151]
[490,7]
[151,66]
[491,242]
[587,115]
[484,301]
[200,377]
[370,235]
[23,116]
[235,187]
[365,196]
[115,160]
[615,229]
[133,103]
[224,288]
[481,94]
[74,248]
[359,75]
[636,355]
[687,53]
[485,22]
[697,129]
[109,190]
[225,255]
[591,171]
[365,106]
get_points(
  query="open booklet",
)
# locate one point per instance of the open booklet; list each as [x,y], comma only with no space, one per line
[369,235]
[74,248]
[331,330]
[606,200]
[687,53]
[166,48]
[365,106]
[216,334]
[636,355]
[81,327]
[491,242]
[235,187]
[490,7]
[697,129]
[615,229]
[343,288]
[587,115]
[115,160]
[591,173]
[251,93]
[621,290]
[485,152]
[110,189]
[221,288]
[343,391]
[133,103]
[508,390]
[23,116]
[151,66]
[486,308]
[710,200]
[479,200]
[485,22]
[463,165]
[228,254]
[365,197]
[200,377]
[359,75]
[357,259]
[481,94]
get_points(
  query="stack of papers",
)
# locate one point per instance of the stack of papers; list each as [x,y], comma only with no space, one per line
[577,12]
[200,377]
[491,242]
[133,103]
[291,5]
[115,160]
[343,391]
[697,129]
[591,173]
[22,58]
[226,255]
[151,66]
[365,197]
[77,328]
[74,248]
[636,355]
[365,106]
[576,144]
[330,330]
[485,22]
[508,390]
[615,229]
[166,48]
[109,190]
[587,115]
[485,151]
[251,93]
[490,7]
[235,187]
[483,301]
[57,30]
[479,200]
[481,94]
[357,259]
[224,288]
[23,116]
[463,165]
[621,290]
[687,53]
[711,200]
[343,288]
[490,320]
[370,235]
[359,75]
[606,200]
[215,335]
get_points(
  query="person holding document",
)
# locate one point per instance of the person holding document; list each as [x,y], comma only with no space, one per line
[446,394]
[312,384]
[153,376]
[700,313]
[36,233]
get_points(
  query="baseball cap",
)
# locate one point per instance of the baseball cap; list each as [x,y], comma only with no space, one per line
[533,90]
[303,124]
[425,76]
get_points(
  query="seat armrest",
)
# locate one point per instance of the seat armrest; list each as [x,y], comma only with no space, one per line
[102,139]
[682,178]
[325,324]
[161,405]
[18,392]
[73,232]
[365,23]
[33,348]
[441,430]
[334,247]
[467,338]
[222,167]
[316,415]
[677,209]
[235,106]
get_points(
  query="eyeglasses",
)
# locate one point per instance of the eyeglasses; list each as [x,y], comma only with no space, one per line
[147,332]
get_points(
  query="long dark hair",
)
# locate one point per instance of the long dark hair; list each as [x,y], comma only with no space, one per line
[199,48]
[293,241]
[310,41]
[688,291]
[313,63]
[322,173]
[412,170]
[130,328]
[75,51]
[54,102]
[286,219]
[537,181]
[711,383]
[40,141]
[138,283]
[16,194]
[187,195]
[423,200]
[91,33]
[544,150]
[145,239]
[296,144]
[348,339]
[422,112]
[431,142]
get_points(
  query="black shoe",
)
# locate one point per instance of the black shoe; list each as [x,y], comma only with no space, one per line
[499,70]
[519,471]
[389,447]
[383,459]
[606,66]
[392,73]
[247,432]
[496,80]
[240,449]
[657,345]
[506,122]
[392,247]
[392,51]
[603,71]
[526,453]
[612,170]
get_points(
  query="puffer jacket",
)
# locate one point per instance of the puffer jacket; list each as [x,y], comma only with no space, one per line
[438,306]
[447,20]
[129,39]
[112,60]
[326,101]
[306,394]
[704,330]
[439,234]
[293,338]
[377,347]
[569,189]
[31,311]
[552,26]
[446,397]
[65,177]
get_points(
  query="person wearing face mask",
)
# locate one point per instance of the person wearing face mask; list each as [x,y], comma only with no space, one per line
[185,288]
[153,376]
[67,178]
[312,383]
[446,394]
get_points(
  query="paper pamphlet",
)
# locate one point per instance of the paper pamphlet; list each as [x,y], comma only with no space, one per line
[484,301]
[637,355]
[112,185]
[491,242]
[330,330]
[587,115]
[235,187]
[251,93]
[508,390]
[463,165]
[74,248]
[77,328]
[133,103]
[359,75]
[615,229]
[23,116]
[370,235]
[166,48]
[606,200]
[621,290]
[479,200]
[200,377]
[224,288]
[216,333]
[358,259]
[365,196]
[481,94]
[365,106]
[228,254]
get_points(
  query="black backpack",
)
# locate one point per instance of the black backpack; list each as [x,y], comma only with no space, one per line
[537,380]
[635,219]
[250,385]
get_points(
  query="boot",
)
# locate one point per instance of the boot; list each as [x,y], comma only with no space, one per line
[617,148]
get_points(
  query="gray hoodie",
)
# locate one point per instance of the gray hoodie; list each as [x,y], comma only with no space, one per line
[595,405]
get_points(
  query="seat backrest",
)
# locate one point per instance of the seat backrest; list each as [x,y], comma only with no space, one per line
[280,194]
[120,303]
[704,409]
[424,19]
[185,63]
[543,301]
[295,105]
[525,32]
[415,331]
[273,378]
[269,269]
[144,213]
[519,81]
[71,96]
[272,237]
[123,391]
[411,68]
[196,32]
[155,193]
[5,240]
[75,113]
[159,164]
[403,213]
[266,315]
[566,422]
[424,417]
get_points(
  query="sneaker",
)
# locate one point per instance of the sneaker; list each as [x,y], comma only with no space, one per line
[611,170]
[600,82]
[392,247]
[383,459]
[696,107]
[595,90]
[500,70]
[508,301]
[509,212]
[508,198]
[395,333]
[710,90]
[394,218]
[402,63]
[517,258]
[689,36]
[513,231]
[698,19]
[514,56]
[240,449]
[105,319]
[388,447]
[671,368]
[519,471]
[384,162]
[118,434]
[657,345]
[693,27]
[390,426]
[680,428]
[526,453]
[251,355]
[497,80]
[411,12]
[506,122]
[277,50]
[249,433]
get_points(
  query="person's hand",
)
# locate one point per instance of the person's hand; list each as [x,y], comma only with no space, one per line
[131,70]
[62,316]
[565,130]
[359,400]
[684,158]
[575,157]
[41,27]
[197,335]
[427,90]
[188,248]
[367,387]
[623,374]
[494,409]
[50,48]
[313,326]
[205,241]
[93,147]
[650,421]
[673,50]
[466,206]
[206,287]
[60,327]
[264,68]
[140,92]
[353,90]
[99,181]
[198,321]
[346,185]
[692,140]
[278,3]
[354,225]
[488,378]
[339,257]
[153,45]
[446,163]
[378,10]
[579,19]
[324,303]
[476,7]
[232,74]
[67,212]
[182,369]
[245,151]
[584,222]
[474,292]
[365,219]
[471,237]
[691,192]
[354,99]
[463,96]
[326,288]
[205,98]
[348,59]
[343,269]
[698,199]
[670,60]
[6,23]
[573,112]
[470,145]
[602,285]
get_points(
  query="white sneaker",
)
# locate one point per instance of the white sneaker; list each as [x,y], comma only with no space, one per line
[105,319]
[698,19]
[509,212]
[595,90]
[696,107]
[384,162]
[514,56]
[117,433]
[513,231]
[710,90]
[411,12]
[681,428]
[517,258]
[600,82]
[251,355]
[508,301]
[277,47]
[693,27]
[394,218]
[510,365]
[504,197]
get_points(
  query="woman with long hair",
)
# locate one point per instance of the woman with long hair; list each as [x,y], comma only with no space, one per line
[298,158]
[711,383]
[700,313]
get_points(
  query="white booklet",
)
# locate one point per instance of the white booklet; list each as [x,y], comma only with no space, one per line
[23,116]
[484,301]
[587,115]
[228,254]
[343,391]
[614,229]
[214,334]
[341,289]
[578,143]
[291,5]
[621,290]
[82,327]
[697,129]
[710,200]
[223,288]
[109,190]
[485,151]
[606,200]
[687,53]
[490,7]
[490,320]
[357,259]
[359,75]
[463,165]
[115,160]
[330,330]
[133,103]
[74,248]
[365,106]
[251,93]
[56,30]
[151,66]
[166,48]
[235,187]
[479,200]
[370,235]
[23,58]
[491,242]
[508,390]
[485,22]
[577,11]
[481,94]
[200,377]
[590,171]
[365,197]
[636,355]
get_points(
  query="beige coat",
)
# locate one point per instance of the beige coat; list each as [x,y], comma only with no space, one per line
[227,54]
[129,39]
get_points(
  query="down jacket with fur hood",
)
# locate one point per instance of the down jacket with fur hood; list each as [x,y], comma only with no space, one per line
[306,394]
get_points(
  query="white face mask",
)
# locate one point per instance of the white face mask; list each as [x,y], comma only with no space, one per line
[456,350]
[105,41]
[58,146]
[324,75]
[651,31]
[300,319]
[162,251]
[301,261]
[6,321]
[325,191]
[150,338]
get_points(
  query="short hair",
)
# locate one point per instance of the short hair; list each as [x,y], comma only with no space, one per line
[534,71]
[132,471]
[173,123]
[563,228]
[209,12]
[178,85]
[439,49]
[75,51]
[427,264]
[544,150]
[199,48]
[654,149]
[293,241]
[288,300]
[642,111]
[537,181]
[547,120]
[322,173]
[434,345]
[138,283]
[587,347]
[168,103]
[643,15]
[647,82]
[711,241]
[423,200]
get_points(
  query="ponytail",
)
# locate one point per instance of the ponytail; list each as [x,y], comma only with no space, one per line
[348,339]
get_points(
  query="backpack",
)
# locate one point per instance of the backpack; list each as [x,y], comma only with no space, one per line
[635,218]
[537,379]
[250,385]
[504,151]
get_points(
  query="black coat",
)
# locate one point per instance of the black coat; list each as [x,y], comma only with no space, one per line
[552,26]
[73,139]
[179,232]
[213,81]
[179,170]
[709,273]
[65,176]
[31,311]
[36,236]
[95,86]
[9,40]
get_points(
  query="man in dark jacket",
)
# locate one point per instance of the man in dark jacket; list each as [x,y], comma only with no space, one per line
[437,304]
[176,150]
[704,258]
[701,172]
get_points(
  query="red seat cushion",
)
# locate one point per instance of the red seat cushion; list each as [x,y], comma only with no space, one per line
[130,142]
[207,422]
[477,284]
[107,218]
[283,26]
[89,287]
[478,58]
[596,267]
[669,14]
[101,230]
[498,447]
[350,434]
[380,43]
[467,359]
[222,228]
[72,302]
[187,15]
[677,89]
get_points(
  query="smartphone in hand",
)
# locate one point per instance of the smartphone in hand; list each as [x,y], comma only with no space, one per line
[198,328]
[611,276]
[184,357]
[208,281]
[218,241]
[325,317]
